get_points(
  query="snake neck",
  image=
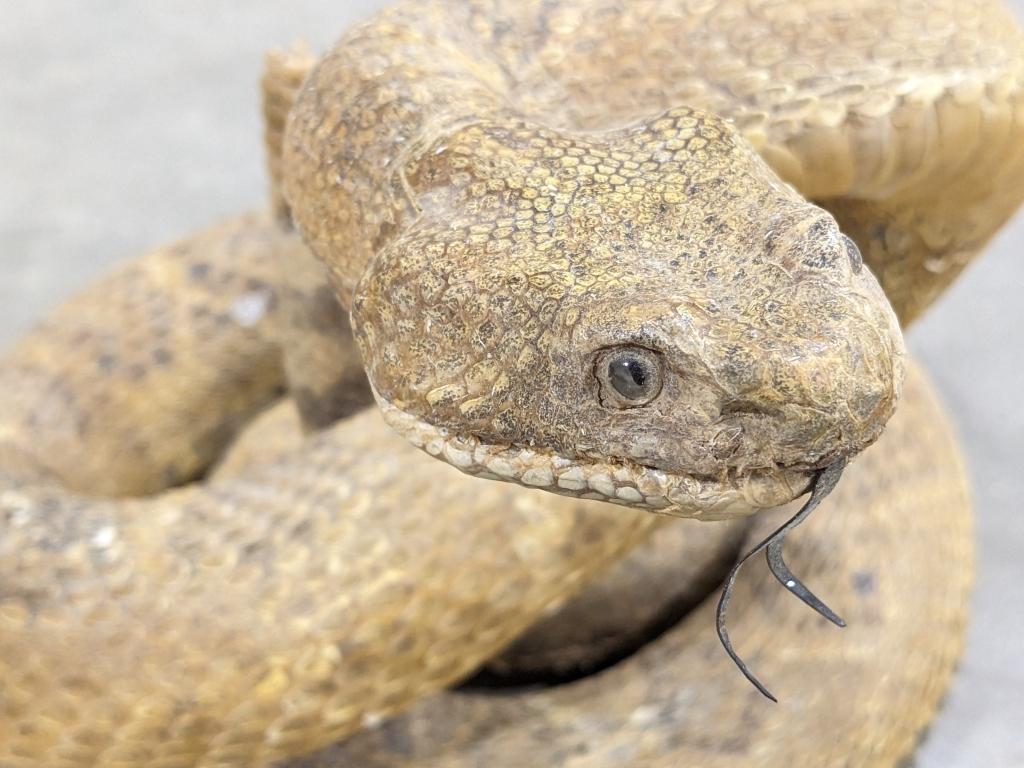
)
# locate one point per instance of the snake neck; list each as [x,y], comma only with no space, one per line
[368,111]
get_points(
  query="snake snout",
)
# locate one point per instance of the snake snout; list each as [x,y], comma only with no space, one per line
[822,409]
[819,394]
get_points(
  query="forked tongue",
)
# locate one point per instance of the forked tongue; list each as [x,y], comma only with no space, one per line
[824,483]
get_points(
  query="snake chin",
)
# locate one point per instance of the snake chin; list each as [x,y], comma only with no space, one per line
[618,481]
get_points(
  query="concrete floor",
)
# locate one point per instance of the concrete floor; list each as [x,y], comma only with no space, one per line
[126,124]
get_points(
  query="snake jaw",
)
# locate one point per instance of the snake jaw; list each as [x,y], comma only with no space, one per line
[618,481]
[634,485]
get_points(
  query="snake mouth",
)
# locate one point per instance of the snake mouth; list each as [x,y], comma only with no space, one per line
[618,481]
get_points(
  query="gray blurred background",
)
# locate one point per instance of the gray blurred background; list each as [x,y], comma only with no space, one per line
[123,125]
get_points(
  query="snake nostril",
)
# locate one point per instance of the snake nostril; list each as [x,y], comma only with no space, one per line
[873,407]
[726,442]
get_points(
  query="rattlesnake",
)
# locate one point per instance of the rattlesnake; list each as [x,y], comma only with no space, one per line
[568,267]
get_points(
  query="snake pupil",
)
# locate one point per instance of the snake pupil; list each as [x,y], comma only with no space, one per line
[629,376]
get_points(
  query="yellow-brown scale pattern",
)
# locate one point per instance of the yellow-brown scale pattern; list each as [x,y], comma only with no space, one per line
[466,172]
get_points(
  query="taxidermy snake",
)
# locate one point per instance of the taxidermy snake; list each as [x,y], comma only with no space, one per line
[656,253]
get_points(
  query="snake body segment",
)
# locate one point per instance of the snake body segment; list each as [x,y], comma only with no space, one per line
[499,193]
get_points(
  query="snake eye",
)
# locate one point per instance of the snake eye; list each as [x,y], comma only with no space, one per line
[628,376]
[856,260]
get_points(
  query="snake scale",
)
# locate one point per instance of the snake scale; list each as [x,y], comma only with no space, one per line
[650,253]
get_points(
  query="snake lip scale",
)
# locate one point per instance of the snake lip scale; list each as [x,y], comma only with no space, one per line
[620,482]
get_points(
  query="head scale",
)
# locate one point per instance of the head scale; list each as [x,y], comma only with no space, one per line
[647,315]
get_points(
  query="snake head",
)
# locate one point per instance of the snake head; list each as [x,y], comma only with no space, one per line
[647,316]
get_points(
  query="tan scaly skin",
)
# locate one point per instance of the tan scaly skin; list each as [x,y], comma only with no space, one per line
[509,197]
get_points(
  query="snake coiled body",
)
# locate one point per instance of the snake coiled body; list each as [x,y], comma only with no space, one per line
[504,195]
